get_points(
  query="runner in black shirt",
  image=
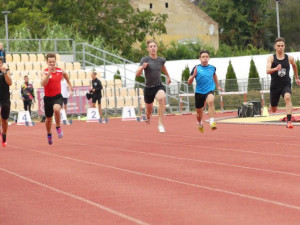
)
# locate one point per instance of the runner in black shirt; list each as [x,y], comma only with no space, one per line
[278,66]
[5,82]
[96,91]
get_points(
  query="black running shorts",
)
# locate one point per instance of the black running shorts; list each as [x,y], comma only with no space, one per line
[150,93]
[95,99]
[5,109]
[276,92]
[200,99]
[49,102]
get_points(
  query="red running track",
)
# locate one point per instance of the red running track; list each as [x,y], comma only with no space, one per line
[128,173]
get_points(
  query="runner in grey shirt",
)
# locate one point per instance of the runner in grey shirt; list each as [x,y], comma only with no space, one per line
[153,65]
[153,70]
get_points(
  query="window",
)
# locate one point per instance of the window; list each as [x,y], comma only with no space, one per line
[150,5]
[167,5]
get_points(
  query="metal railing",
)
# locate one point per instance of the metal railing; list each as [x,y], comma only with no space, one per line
[91,56]
[60,46]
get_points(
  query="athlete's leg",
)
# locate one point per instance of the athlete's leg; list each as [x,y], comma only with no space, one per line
[4,126]
[25,105]
[273,109]
[48,123]
[65,107]
[4,131]
[149,109]
[56,109]
[289,108]
[211,111]
[5,110]
[288,103]
[274,98]
[0,125]
[199,114]
[211,105]
[160,97]
[29,107]
[100,110]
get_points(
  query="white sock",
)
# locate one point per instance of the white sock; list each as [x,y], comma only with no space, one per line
[200,123]
[211,120]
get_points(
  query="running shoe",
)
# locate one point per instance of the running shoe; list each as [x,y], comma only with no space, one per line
[201,128]
[49,138]
[213,126]
[3,143]
[289,125]
[59,132]
[148,116]
[161,129]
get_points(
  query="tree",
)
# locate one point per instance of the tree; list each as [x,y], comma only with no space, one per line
[184,78]
[140,79]
[289,23]
[116,21]
[117,75]
[231,81]
[253,79]
[241,22]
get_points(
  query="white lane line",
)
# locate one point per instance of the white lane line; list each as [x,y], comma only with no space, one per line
[212,139]
[114,212]
[190,160]
[198,160]
[201,147]
[174,181]
[205,147]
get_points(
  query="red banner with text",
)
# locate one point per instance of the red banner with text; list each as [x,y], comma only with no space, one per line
[77,102]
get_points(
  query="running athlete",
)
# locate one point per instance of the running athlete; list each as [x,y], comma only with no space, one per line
[206,82]
[27,94]
[96,92]
[53,100]
[154,89]
[5,82]
[278,66]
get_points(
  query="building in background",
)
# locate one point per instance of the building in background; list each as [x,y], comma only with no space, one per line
[186,21]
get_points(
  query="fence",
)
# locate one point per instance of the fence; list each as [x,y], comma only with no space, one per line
[228,101]
[60,46]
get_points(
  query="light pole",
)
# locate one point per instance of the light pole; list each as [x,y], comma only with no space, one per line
[278,24]
[6,28]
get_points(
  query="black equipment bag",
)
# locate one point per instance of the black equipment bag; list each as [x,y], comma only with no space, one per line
[246,110]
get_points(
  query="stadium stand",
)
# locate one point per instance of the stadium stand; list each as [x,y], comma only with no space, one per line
[114,94]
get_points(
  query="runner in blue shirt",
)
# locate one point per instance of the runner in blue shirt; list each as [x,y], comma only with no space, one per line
[206,82]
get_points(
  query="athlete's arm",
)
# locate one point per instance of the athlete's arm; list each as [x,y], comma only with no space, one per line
[65,75]
[269,65]
[45,79]
[7,76]
[164,69]
[191,78]
[215,77]
[140,69]
[294,65]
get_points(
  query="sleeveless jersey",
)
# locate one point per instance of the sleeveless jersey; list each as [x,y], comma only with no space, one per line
[53,87]
[281,77]
[204,79]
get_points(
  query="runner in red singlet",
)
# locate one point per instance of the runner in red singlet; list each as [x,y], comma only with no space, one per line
[53,99]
